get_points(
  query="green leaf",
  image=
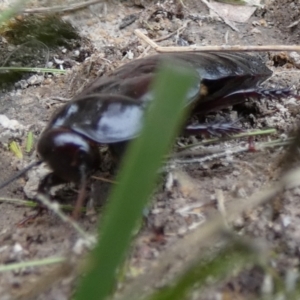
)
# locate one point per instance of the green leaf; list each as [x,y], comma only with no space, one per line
[29,142]
[15,149]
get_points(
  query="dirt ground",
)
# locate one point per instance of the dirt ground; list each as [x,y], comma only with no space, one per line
[177,207]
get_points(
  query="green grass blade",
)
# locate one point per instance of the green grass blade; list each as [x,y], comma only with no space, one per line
[29,142]
[33,263]
[136,181]
[15,149]
[32,69]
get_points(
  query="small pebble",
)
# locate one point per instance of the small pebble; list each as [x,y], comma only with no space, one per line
[17,248]
[35,79]
[21,84]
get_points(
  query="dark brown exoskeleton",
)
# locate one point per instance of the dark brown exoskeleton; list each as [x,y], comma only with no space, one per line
[110,111]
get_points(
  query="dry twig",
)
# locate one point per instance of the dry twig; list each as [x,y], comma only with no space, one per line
[223,48]
[165,37]
[56,209]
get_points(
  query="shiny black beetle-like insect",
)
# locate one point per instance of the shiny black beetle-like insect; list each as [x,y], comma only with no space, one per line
[110,110]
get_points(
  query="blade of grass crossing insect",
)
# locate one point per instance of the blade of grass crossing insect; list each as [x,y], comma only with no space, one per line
[136,181]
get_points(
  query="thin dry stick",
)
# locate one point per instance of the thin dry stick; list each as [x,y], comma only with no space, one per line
[70,7]
[104,179]
[56,209]
[227,48]
[60,99]
[223,153]
[189,248]
[178,31]
[224,139]
[198,160]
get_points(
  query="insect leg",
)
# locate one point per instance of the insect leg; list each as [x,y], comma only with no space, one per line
[276,93]
[258,93]
[240,96]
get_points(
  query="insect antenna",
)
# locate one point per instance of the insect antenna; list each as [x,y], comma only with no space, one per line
[20,173]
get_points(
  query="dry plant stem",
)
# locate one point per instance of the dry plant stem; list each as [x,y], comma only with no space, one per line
[56,209]
[186,251]
[218,153]
[193,149]
[211,157]
[58,8]
[165,37]
[222,153]
[224,48]
[61,99]
[104,179]
[178,31]
[231,137]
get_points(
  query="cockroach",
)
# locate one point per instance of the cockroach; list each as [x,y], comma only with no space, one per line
[111,110]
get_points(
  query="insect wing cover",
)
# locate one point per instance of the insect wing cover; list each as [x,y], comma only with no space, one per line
[102,118]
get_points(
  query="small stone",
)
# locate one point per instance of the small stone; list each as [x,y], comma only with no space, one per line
[236,173]
[239,222]
[6,123]
[130,55]
[35,79]
[21,84]
[58,61]
[17,248]
[256,31]
[286,220]
[76,53]
[83,244]
[295,57]
[49,64]
[181,231]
